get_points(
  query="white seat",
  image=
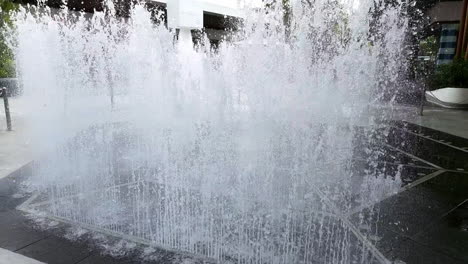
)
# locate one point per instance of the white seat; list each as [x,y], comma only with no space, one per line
[449,97]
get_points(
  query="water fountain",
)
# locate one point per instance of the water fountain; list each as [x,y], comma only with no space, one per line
[242,154]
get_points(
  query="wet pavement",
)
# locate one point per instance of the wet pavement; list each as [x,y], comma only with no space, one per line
[426,221]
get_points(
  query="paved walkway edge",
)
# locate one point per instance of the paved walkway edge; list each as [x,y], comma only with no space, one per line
[9,257]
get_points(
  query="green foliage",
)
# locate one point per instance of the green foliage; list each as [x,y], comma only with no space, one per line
[7,65]
[454,74]
[429,47]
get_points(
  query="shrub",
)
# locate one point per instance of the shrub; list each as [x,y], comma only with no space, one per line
[7,65]
[454,74]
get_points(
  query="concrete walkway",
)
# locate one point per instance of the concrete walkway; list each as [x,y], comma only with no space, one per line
[14,148]
[14,154]
[8,257]
[453,122]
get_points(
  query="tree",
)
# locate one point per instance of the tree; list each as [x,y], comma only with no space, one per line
[7,66]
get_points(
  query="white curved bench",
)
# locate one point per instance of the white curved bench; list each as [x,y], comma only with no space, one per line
[455,98]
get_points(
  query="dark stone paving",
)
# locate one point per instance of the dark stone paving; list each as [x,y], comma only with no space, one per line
[427,223]
[450,232]
[441,153]
[55,250]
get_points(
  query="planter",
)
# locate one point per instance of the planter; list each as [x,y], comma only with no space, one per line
[454,98]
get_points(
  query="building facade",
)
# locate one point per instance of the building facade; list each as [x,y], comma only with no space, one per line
[451,17]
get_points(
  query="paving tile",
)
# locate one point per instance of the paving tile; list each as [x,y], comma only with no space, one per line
[56,250]
[411,252]
[378,152]
[449,235]
[431,151]
[392,214]
[159,257]
[409,212]
[407,173]
[8,191]
[398,224]
[16,231]
[99,259]
[385,240]
[10,188]
[434,134]
[449,188]
[349,195]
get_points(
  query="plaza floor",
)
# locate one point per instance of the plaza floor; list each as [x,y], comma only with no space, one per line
[426,221]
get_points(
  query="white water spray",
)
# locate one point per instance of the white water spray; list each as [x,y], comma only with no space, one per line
[237,154]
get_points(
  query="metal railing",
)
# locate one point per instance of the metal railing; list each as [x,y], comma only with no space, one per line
[4,94]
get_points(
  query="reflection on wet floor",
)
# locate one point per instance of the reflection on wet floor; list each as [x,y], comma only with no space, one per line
[425,222]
